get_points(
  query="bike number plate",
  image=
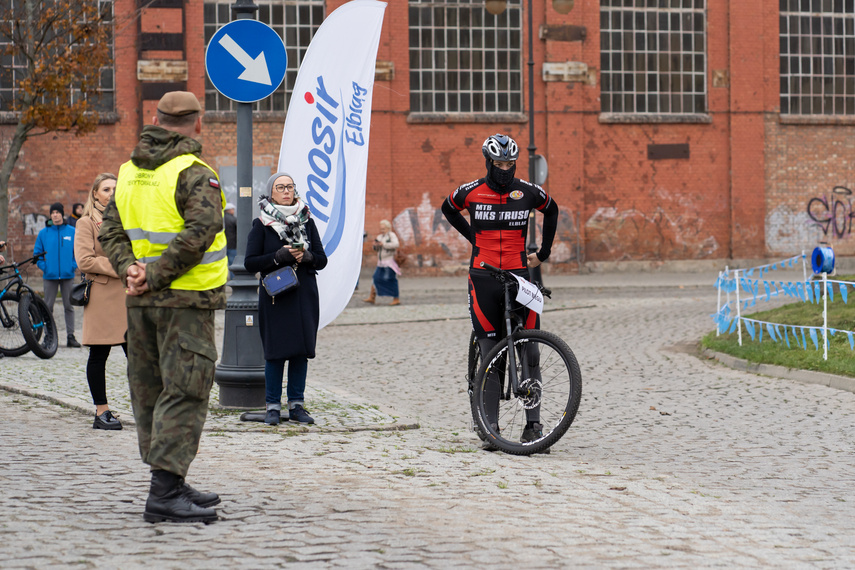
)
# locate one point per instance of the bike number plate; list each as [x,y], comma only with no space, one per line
[529,296]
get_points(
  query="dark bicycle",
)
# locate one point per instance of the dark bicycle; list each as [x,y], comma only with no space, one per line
[26,323]
[525,392]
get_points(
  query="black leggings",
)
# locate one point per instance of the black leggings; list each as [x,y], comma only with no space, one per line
[96,371]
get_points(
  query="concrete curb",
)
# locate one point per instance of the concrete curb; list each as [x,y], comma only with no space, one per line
[803,376]
[63,400]
[213,424]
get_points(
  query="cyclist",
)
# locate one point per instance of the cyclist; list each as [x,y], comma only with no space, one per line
[499,207]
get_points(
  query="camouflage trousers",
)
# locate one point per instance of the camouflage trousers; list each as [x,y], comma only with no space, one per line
[171,356]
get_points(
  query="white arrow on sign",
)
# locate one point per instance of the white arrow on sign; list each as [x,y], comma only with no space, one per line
[255,69]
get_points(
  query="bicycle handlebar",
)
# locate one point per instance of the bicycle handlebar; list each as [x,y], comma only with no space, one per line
[504,274]
[20,263]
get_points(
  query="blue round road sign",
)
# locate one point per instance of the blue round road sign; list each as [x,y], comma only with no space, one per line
[246,60]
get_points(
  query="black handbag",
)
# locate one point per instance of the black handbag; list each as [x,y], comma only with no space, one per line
[80,292]
[280,281]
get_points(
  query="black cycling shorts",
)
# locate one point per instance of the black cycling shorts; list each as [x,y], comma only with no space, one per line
[486,304]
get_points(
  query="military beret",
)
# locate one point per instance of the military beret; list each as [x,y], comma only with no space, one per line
[179,103]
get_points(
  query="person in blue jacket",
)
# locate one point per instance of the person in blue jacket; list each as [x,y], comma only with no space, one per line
[59,265]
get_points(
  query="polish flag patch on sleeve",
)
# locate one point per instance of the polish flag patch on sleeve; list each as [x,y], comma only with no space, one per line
[214,183]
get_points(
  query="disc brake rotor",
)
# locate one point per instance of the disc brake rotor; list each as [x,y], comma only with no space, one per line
[531,388]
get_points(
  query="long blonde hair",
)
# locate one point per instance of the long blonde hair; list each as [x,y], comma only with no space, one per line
[90,200]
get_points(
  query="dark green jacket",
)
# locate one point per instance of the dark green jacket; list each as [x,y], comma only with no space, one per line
[197,198]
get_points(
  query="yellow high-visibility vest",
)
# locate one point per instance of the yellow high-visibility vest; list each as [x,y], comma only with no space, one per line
[146,203]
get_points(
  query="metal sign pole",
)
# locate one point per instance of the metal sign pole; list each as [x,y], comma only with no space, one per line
[534,273]
[240,373]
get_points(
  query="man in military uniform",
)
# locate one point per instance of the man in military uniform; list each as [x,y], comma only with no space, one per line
[163,233]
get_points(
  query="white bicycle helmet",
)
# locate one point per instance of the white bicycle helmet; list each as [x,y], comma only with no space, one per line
[500,147]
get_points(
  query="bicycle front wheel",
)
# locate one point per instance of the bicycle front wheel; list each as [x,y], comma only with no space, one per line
[12,341]
[38,326]
[541,412]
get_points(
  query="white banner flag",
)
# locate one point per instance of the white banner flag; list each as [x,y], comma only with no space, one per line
[325,140]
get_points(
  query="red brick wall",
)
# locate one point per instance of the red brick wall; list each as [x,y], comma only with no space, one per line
[810,183]
[747,183]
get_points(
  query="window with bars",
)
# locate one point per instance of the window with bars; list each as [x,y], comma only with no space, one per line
[13,68]
[296,22]
[464,59]
[817,57]
[653,56]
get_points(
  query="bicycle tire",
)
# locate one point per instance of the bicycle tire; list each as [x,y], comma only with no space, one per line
[12,341]
[554,397]
[38,326]
[473,363]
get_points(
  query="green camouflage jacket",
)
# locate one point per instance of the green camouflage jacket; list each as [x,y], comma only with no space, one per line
[198,200]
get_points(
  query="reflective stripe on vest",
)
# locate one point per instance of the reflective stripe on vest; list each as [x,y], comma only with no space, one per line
[146,203]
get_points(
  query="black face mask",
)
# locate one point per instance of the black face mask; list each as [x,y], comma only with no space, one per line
[502,177]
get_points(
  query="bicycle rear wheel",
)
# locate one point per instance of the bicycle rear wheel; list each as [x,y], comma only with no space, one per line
[37,325]
[551,389]
[12,341]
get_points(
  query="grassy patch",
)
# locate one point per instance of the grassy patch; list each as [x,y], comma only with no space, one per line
[840,356]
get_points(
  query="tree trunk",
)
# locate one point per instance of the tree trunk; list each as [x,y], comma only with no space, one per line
[18,140]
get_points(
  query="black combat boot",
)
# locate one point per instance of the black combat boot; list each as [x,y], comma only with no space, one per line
[201,499]
[168,501]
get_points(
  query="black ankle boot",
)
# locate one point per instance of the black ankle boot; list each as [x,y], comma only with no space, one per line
[168,501]
[198,497]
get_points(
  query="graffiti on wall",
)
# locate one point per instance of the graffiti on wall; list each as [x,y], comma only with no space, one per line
[833,215]
[34,223]
[424,231]
[671,230]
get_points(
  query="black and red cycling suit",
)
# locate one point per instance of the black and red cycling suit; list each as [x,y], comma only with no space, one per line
[497,230]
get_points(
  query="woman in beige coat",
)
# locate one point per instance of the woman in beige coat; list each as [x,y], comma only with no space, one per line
[105,319]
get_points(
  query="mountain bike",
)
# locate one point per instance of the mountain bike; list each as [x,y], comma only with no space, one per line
[532,374]
[26,323]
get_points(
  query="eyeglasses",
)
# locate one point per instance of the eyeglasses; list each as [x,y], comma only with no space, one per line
[282,188]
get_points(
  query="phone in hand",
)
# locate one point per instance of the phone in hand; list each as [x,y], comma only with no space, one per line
[298,246]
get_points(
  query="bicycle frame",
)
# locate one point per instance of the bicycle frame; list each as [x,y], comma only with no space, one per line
[512,324]
[512,364]
[16,283]
[15,279]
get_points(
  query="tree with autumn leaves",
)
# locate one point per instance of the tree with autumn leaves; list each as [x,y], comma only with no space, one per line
[53,52]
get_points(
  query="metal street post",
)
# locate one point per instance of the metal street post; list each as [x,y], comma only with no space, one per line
[534,273]
[240,373]
[496,7]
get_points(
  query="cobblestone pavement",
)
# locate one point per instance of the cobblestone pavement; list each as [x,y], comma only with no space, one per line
[673,461]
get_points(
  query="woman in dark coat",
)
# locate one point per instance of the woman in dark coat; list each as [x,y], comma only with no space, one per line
[283,235]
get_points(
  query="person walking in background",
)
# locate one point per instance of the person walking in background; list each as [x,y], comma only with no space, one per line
[386,274]
[76,214]
[230,225]
[105,318]
[163,232]
[288,323]
[58,265]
